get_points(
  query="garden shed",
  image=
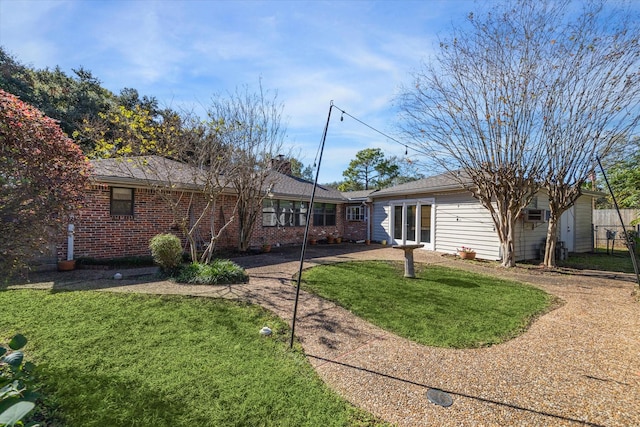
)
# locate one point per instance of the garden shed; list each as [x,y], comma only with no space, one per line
[441,214]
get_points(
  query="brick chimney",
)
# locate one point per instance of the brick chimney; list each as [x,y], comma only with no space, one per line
[280,164]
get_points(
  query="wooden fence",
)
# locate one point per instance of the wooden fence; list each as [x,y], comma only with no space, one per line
[607,230]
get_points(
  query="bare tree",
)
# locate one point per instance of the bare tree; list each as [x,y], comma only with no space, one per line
[477,109]
[591,103]
[249,128]
[187,168]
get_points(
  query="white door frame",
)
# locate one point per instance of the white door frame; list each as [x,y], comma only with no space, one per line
[418,203]
[568,228]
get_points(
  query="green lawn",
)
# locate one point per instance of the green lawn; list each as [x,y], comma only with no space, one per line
[441,307]
[122,359]
[617,260]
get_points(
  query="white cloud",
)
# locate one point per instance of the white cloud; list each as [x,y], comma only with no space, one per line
[23,28]
[354,53]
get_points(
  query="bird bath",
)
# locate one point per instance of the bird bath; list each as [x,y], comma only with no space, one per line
[408,258]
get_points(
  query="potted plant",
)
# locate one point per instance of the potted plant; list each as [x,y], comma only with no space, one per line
[66,265]
[313,239]
[266,246]
[466,253]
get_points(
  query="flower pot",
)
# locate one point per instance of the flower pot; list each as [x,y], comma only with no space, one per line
[313,241]
[367,242]
[67,265]
[266,248]
[330,239]
[338,239]
[467,255]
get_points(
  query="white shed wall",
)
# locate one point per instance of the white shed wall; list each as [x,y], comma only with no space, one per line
[462,221]
[584,224]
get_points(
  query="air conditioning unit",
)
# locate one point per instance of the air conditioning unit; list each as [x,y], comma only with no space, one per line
[535,215]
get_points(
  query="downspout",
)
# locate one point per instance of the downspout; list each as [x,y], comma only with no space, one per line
[368,207]
[70,232]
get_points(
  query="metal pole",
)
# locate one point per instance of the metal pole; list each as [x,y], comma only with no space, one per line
[306,229]
[634,261]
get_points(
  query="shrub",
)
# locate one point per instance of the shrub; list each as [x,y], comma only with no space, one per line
[16,400]
[166,251]
[219,272]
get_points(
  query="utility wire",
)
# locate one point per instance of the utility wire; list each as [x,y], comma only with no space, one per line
[404,144]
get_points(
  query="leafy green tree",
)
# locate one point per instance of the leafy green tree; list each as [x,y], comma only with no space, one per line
[370,169]
[68,99]
[335,184]
[130,98]
[125,131]
[15,78]
[624,175]
[408,170]
[43,177]
[300,170]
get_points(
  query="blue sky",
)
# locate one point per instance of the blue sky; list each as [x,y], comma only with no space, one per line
[356,53]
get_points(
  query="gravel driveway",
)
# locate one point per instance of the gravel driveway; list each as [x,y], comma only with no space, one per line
[577,365]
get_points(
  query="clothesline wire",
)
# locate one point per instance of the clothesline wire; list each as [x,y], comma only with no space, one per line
[404,144]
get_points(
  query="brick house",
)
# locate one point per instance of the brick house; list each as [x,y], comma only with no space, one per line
[131,200]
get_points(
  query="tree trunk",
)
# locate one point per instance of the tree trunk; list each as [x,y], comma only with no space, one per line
[550,246]
[504,221]
[507,244]
[552,236]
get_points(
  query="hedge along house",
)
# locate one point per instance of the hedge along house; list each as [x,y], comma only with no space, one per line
[439,213]
[131,200]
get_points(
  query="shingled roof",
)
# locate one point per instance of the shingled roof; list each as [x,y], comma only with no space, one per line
[295,188]
[444,182]
[358,195]
[156,170]
[146,170]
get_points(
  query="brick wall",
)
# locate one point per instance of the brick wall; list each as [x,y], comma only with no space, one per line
[100,235]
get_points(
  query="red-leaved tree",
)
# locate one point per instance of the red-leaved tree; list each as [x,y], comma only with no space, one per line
[42,177]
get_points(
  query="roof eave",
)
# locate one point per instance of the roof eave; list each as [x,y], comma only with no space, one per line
[138,183]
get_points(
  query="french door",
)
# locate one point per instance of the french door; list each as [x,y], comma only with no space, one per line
[412,223]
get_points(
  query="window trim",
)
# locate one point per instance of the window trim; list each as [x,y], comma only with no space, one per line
[359,216]
[320,211]
[294,216]
[114,211]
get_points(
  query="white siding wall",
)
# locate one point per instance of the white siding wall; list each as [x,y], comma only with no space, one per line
[529,236]
[462,221]
[381,218]
[459,221]
[584,224]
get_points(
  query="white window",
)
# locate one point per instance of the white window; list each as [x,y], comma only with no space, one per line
[355,213]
